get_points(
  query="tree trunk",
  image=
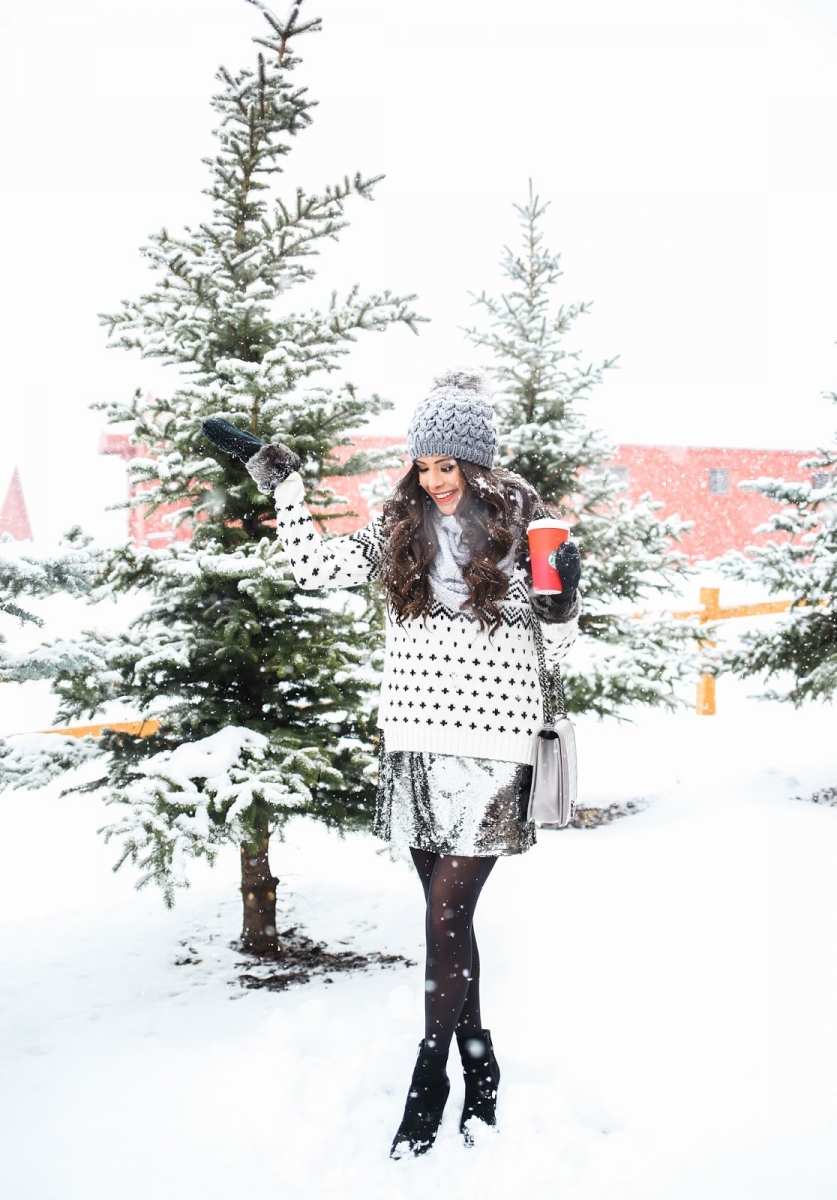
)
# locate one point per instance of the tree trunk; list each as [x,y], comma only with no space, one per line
[258,893]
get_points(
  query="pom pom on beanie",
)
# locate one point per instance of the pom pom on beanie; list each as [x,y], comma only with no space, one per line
[456,418]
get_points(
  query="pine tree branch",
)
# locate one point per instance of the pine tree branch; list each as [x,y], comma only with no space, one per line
[284,30]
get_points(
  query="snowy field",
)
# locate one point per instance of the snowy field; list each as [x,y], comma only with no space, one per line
[661,993]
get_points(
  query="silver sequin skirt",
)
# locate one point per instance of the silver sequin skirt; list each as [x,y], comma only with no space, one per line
[451,805]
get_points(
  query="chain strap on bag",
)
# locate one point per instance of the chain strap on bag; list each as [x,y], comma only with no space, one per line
[554,778]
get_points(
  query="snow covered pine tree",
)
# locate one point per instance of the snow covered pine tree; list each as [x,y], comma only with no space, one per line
[545,437]
[802,565]
[31,760]
[26,571]
[263,694]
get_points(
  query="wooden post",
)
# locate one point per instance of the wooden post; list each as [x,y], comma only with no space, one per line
[705,706]
[710,598]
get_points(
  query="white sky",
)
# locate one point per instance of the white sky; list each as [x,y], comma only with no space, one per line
[688,151]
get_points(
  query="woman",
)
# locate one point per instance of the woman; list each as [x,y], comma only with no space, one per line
[461,696]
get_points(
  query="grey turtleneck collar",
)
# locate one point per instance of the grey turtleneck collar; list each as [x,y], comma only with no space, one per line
[449,588]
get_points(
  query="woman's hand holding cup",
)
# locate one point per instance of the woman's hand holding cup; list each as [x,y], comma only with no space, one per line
[556,565]
[567,562]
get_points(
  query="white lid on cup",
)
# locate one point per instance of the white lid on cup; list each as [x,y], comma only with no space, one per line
[549,523]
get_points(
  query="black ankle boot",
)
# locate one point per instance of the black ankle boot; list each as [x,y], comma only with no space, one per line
[482,1078]
[426,1101]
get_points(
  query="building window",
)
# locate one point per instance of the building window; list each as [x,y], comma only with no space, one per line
[821,479]
[621,477]
[719,481]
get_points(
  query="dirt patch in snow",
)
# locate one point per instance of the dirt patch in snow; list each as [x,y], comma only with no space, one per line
[826,796]
[301,959]
[590,818]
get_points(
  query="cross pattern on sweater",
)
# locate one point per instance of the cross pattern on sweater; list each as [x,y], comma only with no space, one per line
[447,687]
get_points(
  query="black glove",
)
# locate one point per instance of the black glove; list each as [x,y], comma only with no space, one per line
[268,463]
[567,562]
[231,440]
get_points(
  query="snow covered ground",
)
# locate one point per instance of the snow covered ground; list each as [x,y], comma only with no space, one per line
[661,992]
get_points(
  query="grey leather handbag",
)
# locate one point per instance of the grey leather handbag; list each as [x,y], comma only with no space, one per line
[554,778]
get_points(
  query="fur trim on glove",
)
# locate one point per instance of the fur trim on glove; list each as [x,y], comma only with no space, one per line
[271,465]
[554,608]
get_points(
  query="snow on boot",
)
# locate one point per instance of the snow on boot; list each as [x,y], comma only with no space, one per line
[482,1078]
[426,1101]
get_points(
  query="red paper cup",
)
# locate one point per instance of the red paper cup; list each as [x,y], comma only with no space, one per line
[545,536]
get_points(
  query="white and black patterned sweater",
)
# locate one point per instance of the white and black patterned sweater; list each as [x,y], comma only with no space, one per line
[447,687]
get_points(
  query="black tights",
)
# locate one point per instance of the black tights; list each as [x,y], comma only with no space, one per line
[452,884]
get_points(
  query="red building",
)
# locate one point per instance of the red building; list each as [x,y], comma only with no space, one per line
[158,529]
[700,484]
[14,519]
[697,483]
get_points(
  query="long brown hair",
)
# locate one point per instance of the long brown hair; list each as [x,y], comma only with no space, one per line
[493,512]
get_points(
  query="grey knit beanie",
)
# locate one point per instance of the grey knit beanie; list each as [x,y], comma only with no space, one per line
[456,419]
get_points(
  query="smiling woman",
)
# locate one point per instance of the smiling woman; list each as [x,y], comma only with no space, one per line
[461,699]
[442,479]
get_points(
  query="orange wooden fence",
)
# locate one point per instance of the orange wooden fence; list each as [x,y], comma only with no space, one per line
[711,610]
[136,728]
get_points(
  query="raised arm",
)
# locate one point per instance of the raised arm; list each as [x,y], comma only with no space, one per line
[340,562]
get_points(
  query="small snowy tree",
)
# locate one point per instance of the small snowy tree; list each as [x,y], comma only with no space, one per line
[541,389]
[28,573]
[263,693]
[802,564]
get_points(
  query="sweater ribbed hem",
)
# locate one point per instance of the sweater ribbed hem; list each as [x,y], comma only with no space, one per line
[506,747]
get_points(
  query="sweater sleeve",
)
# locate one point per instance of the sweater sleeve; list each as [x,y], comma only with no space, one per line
[560,635]
[337,563]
